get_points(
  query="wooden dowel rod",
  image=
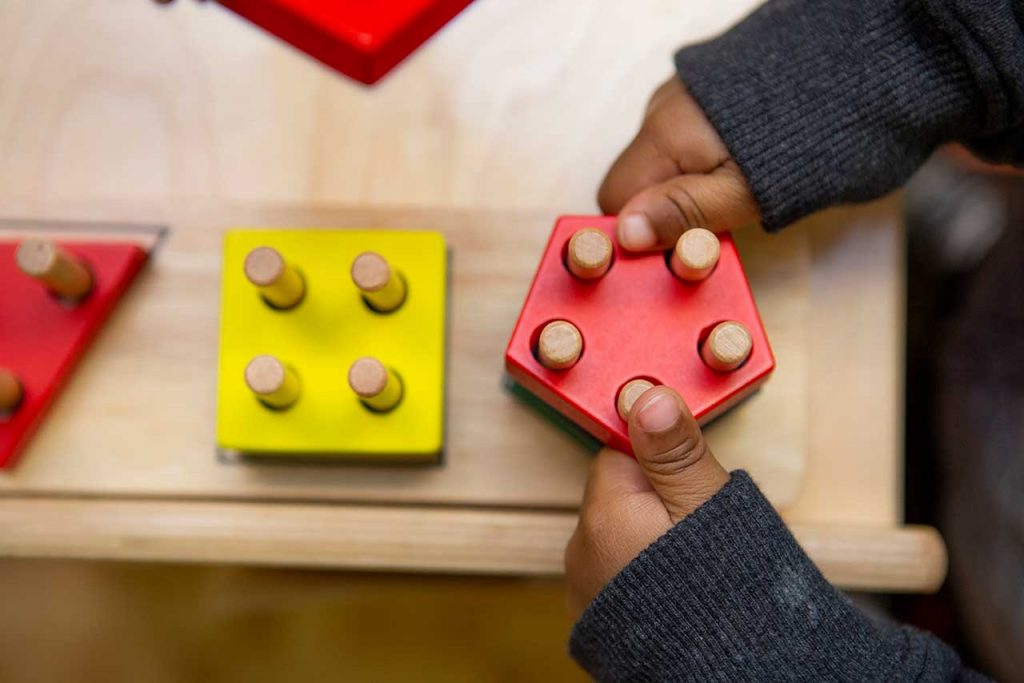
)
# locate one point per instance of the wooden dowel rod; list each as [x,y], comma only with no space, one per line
[277,280]
[630,392]
[589,254]
[381,286]
[11,391]
[559,345]
[727,347]
[893,559]
[376,385]
[57,269]
[695,255]
[273,383]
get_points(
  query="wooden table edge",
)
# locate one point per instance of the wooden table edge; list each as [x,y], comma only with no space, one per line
[438,539]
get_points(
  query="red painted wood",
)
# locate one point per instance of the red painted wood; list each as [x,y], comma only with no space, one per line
[41,337]
[363,39]
[639,320]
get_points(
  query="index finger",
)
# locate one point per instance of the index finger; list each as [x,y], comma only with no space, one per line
[639,166]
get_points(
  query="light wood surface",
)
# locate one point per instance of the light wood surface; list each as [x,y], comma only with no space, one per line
[498,451]
[386,537]
[501,455]
[189,115]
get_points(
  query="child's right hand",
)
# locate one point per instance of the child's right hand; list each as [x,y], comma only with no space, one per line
[676,175]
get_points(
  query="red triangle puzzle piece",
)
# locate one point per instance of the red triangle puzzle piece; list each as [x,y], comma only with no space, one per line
[42,337]
[362,39]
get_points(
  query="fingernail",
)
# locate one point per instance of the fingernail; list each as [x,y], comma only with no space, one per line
[659,414]
[636,233]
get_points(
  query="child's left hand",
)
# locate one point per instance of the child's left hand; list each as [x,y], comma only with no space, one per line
[628,504]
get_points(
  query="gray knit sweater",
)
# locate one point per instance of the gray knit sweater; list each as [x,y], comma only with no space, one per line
[820,102]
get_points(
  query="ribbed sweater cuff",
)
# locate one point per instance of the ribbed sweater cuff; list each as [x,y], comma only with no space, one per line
[830,102]
[727,594]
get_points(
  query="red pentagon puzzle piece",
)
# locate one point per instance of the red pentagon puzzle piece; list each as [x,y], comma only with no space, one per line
[638,320]
[363,39]
[42,337]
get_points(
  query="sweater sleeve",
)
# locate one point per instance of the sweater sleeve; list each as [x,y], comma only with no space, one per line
[823,102]
[728,595]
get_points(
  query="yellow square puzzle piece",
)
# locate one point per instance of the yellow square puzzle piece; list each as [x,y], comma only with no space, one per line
[323,335]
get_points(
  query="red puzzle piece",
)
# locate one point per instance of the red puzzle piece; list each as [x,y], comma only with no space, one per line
[639,320]
[42,337]
[361,38]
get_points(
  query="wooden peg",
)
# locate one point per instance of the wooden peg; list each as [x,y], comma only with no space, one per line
[277,280]
[11,392]
[727,347]
[274,383]
[590,254]
[59,271]
[695,255]
[628,395]
[382,287]
[559,345]
[377,386]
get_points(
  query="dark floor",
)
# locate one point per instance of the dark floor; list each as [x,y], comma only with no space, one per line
[79,622]
[960,223]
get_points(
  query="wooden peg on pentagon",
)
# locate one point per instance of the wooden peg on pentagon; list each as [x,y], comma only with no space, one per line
[273,383]
[590,254]
[58,270]
[727,347]
[695,255]
[559,345]
[11,392]
[277,280]
[382,287]
[630,392]
[376,385]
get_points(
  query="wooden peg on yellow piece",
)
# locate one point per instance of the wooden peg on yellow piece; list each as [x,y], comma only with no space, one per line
[727,347]
[590,254]
[382,287]
[376,385]
[559,345]
[695,255]
[630,392]
[277,280]
[273,383]
[58,270]
[11,392]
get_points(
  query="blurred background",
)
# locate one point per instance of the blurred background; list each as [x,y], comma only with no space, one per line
[150,623]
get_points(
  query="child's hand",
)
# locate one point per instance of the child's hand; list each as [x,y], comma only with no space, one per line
[628,504]
[675,175]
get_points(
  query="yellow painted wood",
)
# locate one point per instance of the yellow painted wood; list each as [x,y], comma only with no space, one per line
[323,335]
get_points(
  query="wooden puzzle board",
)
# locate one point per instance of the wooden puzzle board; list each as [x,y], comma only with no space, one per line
[125,466]
[138,417]
[133,101]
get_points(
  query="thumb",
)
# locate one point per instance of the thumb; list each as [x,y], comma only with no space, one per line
[655,218]
[671,450]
